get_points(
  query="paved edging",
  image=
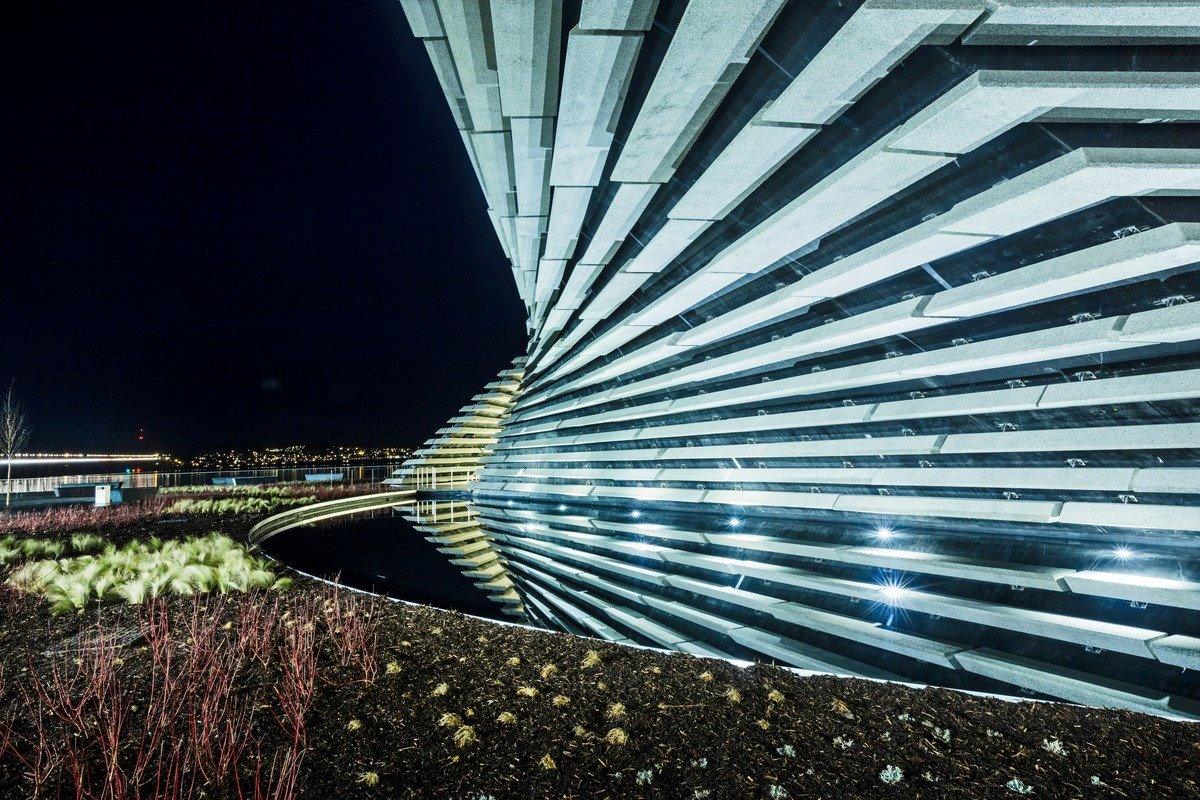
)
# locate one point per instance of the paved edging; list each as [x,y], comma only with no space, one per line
[328,509]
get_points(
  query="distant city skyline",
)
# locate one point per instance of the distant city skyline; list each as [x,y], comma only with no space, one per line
[290,454]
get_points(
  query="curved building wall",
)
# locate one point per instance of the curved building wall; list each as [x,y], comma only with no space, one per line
[863,336]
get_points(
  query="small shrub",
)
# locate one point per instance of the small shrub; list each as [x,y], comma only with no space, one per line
[465,736]
[1054,746]
[1018,786]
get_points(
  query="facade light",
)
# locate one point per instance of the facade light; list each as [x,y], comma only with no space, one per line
[892,594]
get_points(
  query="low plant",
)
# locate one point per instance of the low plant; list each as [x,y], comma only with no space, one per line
[138,571]
[465,736]
[1054,746]
[237,505]
[92,728]
[86,543]
[1018,786]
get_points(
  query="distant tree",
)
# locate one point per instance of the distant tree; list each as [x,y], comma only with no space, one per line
[14,433]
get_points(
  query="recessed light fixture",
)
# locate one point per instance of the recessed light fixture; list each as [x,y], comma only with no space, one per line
[1123,553]
[635,513]
[884,533]
[734,522]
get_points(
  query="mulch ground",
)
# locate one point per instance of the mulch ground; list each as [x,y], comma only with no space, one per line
[542,710]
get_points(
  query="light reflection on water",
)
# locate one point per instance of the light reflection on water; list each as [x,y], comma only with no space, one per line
[381,551]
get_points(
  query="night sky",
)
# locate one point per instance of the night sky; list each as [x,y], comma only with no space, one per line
[237,225]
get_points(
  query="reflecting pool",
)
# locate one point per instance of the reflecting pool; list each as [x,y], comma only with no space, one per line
[382,552]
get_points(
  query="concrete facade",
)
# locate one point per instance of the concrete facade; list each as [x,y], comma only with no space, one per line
[864,336]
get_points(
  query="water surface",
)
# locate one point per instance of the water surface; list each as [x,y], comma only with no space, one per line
[381,552]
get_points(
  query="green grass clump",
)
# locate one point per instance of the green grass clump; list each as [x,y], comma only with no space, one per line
[10,551]
[142,570]
[236,505]
[14,550]
[86,543]
[283,490]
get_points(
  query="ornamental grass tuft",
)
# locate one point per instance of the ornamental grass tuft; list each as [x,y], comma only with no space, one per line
[137,571]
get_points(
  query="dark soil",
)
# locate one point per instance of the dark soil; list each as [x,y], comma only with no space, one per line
[686,734]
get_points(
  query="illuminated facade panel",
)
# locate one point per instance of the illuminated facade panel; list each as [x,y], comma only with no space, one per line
[863,335]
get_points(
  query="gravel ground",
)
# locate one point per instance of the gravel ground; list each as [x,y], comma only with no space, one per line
[455,707]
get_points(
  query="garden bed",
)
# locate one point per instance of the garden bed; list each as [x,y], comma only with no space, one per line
[326,694]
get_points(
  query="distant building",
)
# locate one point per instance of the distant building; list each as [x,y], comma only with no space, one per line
[862,336]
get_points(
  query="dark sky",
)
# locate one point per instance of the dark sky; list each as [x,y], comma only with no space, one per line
[239,224]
